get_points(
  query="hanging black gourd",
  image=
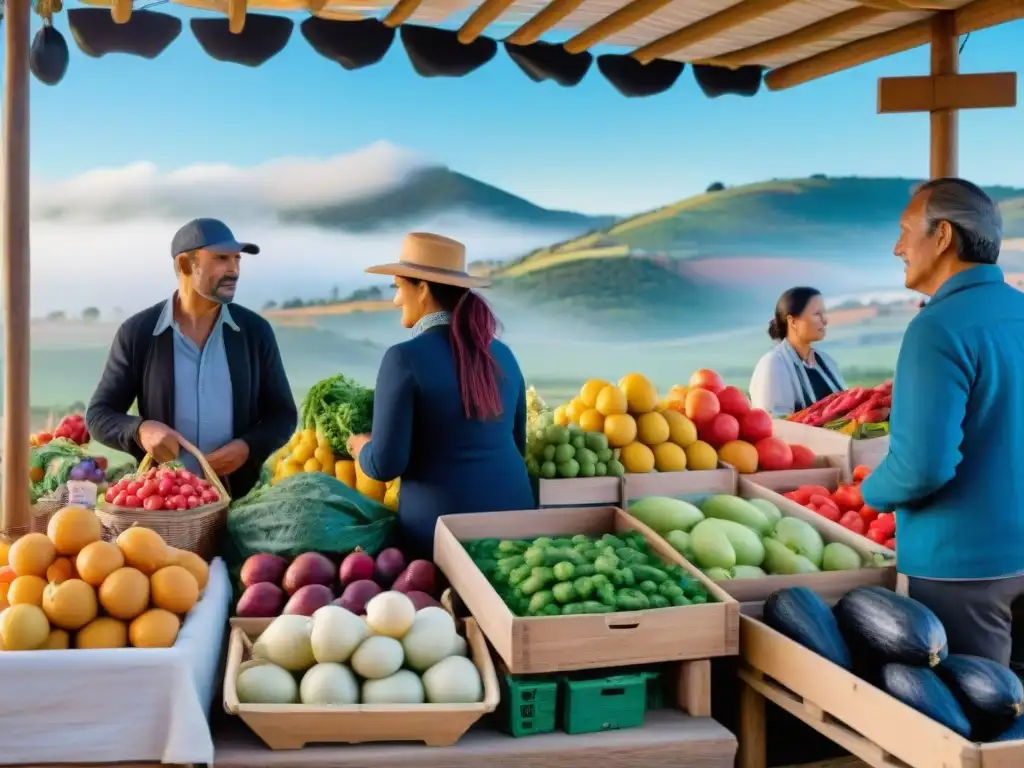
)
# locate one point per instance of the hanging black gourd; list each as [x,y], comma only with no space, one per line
[48,57]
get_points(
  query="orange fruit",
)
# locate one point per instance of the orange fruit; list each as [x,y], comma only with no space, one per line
[59,640]
[620,429]
[592,421]
[611,401]
[156,628]
[174,589]
[32,554]
[103,632]
[641,395]
[72,528]
[637,457]
[194,564]
[701,456]
[61,570]
[70,604]
[741,455]
[26,590]
[589,392]
[24,628]
[5,547]
[97,561]
[144,549]
[124,594]
[681,430]
[652,429]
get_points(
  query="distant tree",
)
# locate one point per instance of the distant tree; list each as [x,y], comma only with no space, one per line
[57,314]
[335,294]
[270,305]
[293,303]
[716,187]
[90,314]
[819,176]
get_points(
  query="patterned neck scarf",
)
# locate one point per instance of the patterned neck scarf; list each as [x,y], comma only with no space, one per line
[432,320]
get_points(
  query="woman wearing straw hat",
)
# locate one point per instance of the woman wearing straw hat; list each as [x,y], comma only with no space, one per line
[449,413]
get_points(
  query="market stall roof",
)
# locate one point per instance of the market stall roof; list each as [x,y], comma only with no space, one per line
[731,45]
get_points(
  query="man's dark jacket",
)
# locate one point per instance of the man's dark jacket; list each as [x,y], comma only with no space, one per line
[141,367]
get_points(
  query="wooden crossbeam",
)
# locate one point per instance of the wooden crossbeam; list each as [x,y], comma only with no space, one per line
[934,92]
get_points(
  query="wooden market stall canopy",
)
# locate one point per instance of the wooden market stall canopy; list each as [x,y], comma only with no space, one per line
[733,47]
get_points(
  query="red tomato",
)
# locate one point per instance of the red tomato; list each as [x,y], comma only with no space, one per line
[152,473]
[176,488]
[891,543]
[180,501]
[119,498]
[148,489]
[192,502]
[800,496]
[860,472]
[45,437]
[165,487]
[208,497]
[132,501]
[204,484]
[185,476]
[166,474]
[153,503]
[847,497]
[869,514]
[134,486]
[110,495]
[877,536]
[886,523]
[61,432]
[852,520]
[187,490]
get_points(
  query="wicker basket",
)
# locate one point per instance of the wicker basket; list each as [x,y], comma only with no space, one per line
[194,530]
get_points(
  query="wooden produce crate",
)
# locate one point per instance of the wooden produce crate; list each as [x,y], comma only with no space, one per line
[616,491]
[864,720]
[292,726]
[534,645]
[834,446]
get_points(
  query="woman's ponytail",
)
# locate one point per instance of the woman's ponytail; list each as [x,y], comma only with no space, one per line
[473,328]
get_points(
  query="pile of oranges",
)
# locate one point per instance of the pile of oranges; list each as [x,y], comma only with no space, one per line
[68,588]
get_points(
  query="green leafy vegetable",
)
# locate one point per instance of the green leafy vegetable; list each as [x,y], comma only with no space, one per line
[338,408]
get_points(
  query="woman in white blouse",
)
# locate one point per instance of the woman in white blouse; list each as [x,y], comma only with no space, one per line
[794,375]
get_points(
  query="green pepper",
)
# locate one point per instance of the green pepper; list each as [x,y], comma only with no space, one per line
[580,538]
[691,587]
[551,610]
[699,599]
[531,586]
[562,542]
[669,590]
[628,577]
[519,574]
[630,556]
[606,594]
[565,592]
[592,606]
[574,609]
[649,572]
[487,566]
[541,543]
[598,579]
[607,563]
[554,556]
[534,556]
[613,541]
[512,547]
[544,574]
[591,553]
[631,600]
[648,587]
[679,600]
[659,601]
[539,600]
[564,571]
[498,577]
[509,564]
[616,578]
[587,569]
[584,587]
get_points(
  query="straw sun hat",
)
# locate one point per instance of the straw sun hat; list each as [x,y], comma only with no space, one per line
[433,258]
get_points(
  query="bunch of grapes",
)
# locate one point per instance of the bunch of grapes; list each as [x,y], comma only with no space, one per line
[89,469]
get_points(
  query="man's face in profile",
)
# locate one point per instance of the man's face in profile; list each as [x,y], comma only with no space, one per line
[215,275]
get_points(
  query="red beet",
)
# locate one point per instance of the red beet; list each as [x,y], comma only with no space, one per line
[357,595]
[390,563]
[422,600]
[261,600]
[308,568]
[308,599]
[263,568]
[355,567]
[419,576]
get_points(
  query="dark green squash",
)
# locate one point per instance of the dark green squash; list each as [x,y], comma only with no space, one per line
[802,616]
[990,694]
[921,689]
[1014,733]
[891,627]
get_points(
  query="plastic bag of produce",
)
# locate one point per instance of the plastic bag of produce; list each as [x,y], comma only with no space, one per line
[308,512]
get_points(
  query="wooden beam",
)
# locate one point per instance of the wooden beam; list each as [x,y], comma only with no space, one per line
[798,38]
[978,15]
[623,18]
[401,13]
[708,27]
[910,5]
[236,16]
[945,60]
[14,266]
[931,92]
[486,13]
[542,21]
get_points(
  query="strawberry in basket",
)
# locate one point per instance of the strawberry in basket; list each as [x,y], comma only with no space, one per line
[168,487]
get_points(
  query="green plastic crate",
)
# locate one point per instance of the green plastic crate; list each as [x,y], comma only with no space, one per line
[655,696]
[592,704]
[528,705]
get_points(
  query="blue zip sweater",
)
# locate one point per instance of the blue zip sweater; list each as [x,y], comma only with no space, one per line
[955,468]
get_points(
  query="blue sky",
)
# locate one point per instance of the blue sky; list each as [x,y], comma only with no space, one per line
[585,148]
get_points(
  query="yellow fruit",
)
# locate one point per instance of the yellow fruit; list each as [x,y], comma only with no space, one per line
[174,589]
[97,561]
[345,471]
[637,458]
[125,593]
[70,605]
[641,396]
[291,467]
[24,628]
[611,401]
[26,590]
[681,430]
[575,409]
[5,547]
[144,549]
[592,421]
[652,429]
[366,485]
[741,455]
[303,452]
[324,455]
[620,429]
[590,391]
[669,457]
[156,628]
[311,465]
[561,417]
[32,554]
[61,570]
[104,632]
[194,564]
[294,440]
[308,436]
[72,528]
[701,456]
[59,640]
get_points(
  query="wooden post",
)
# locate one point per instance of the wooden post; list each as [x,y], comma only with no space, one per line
[14,270]
[945,56]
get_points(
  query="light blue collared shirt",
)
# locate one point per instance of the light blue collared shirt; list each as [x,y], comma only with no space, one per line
[203,409]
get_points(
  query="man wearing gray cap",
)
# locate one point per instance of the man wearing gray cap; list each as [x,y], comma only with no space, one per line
[198,369]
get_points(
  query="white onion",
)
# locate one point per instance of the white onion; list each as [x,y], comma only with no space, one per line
[329,685]
[377,657]
[430,640]
[266,683]
[403,687]
[390,614]
[286,643]
[336,633]
[454,680]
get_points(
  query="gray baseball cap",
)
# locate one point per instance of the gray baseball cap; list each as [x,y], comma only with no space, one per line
[211,235]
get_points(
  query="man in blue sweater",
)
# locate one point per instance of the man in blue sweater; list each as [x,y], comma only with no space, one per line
[954,473]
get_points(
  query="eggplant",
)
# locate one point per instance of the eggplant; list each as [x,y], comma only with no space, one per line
[1014,733]
[802,616]
[891,627]
[990,694]
[921,689]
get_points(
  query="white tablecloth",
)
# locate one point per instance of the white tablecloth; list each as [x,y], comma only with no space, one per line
[134,704]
